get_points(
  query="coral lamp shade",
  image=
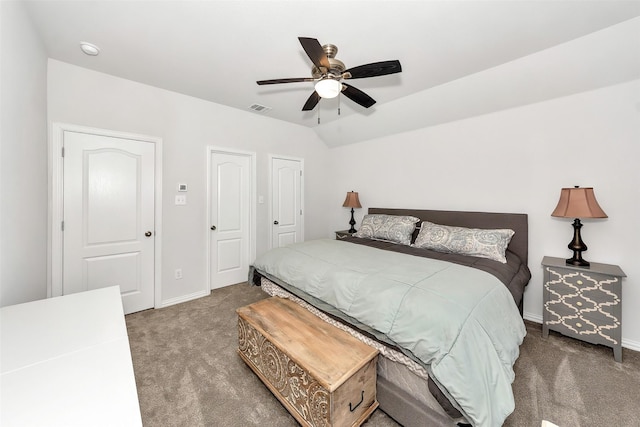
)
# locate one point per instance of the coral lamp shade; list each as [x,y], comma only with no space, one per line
[578,202]
[352,200]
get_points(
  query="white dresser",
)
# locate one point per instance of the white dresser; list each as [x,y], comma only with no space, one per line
[66,361]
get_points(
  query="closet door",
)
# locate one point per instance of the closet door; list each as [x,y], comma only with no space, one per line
[230,200]
[286,201]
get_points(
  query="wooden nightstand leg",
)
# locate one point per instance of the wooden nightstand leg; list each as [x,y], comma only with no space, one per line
[617,353]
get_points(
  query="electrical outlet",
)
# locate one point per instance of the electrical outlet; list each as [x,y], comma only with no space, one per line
[178,273]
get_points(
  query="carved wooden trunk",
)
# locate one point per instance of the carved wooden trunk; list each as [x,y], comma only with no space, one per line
[321,374]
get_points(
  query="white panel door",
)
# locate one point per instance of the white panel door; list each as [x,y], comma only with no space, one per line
[286,201]
[230,218]
[109,217]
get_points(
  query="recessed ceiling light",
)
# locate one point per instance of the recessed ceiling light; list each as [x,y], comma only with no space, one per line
[89,49]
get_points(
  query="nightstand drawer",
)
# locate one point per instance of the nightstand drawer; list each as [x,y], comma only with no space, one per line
[604,328]
[564,280]
[581,303]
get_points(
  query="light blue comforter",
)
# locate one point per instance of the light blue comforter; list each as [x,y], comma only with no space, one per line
[459,321]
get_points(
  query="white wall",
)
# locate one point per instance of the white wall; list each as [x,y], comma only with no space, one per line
[513,161]
[23,158]
[187,126]
[517,161]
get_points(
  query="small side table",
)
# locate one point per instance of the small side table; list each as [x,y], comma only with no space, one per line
[342,234]
[584,303]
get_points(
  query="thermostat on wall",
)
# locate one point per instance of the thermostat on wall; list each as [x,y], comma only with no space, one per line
[182,187]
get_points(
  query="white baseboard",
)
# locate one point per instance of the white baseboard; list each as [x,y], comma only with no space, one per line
[184,298]
[630,344]
[533,317]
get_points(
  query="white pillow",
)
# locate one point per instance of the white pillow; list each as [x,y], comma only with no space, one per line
[478,242]
[394,228]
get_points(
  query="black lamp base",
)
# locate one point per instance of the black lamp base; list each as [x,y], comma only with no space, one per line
[577,246]
[578,261]
[352,223]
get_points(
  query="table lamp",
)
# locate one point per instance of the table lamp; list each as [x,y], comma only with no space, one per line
[352,201]
[578,202]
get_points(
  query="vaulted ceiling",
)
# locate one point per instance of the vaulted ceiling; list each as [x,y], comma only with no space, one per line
[449,51]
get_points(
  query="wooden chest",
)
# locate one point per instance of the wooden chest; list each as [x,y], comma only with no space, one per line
[321,374]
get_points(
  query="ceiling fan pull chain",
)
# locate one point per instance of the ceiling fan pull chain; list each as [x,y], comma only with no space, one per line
[339,101]
[318,115]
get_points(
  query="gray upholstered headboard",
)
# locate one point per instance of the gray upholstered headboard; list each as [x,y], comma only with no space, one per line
[517,222]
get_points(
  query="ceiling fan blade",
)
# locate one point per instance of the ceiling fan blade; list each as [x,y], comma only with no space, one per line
[375,69]
[315,52]
[292,80]
[357,96]
[311,102]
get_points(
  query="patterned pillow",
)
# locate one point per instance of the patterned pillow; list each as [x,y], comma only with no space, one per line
[477,242]
[393,228]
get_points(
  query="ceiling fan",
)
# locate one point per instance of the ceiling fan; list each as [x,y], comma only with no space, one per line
[329,73]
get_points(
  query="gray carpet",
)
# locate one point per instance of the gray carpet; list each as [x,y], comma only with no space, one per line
[188,373]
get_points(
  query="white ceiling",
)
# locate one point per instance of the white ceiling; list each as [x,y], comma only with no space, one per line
[216,50]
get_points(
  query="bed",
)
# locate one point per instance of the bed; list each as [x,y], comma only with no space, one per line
[446,320]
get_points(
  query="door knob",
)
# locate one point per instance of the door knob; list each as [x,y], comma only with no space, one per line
[276,222]
[213,227]
[148,234]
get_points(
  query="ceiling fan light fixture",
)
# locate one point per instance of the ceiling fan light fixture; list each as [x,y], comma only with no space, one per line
[328,88]
[329,73]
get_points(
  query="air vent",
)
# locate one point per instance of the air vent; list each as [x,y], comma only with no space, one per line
[259,108]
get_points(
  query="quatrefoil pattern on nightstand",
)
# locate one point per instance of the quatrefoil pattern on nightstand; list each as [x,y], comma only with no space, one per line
[582,303]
